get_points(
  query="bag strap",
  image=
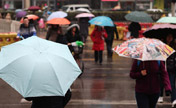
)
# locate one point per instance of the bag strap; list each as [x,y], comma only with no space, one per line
[138,63]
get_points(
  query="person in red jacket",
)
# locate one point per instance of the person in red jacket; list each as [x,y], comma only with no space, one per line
[148,75]
[97,37]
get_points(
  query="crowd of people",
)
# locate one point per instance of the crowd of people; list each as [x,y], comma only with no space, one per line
[151,76]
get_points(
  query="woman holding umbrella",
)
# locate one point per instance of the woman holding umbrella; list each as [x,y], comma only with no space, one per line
[73,35]
[148,68]
[147,87]
[97,37]
[99,34]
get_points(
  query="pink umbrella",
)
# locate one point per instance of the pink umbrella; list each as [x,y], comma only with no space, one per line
[83,15]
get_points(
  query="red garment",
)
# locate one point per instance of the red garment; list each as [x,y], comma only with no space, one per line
[98,39]
[150,83]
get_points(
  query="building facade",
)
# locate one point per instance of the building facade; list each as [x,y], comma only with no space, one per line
[94,4]
[14,4]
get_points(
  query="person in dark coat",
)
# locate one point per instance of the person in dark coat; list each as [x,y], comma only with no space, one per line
[98,35]
[109,40]
[55,34]
[73,35]
[171,66]
[84,25]
[148,75]
[50,101]
[134,28]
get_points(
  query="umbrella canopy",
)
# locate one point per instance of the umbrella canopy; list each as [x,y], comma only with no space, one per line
[167,20]
[18,10]
[160,30]
[84,15]
[102,21]
[35,68]
[21,14]
[60,21]
[58,14]
[31,16]
[34,8]
[83,10]
[137,16]
[144,49]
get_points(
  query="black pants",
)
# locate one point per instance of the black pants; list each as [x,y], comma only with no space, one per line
[98,56]
[146,100]
[109,47]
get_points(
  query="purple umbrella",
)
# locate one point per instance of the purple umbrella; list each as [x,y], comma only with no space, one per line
[21,14]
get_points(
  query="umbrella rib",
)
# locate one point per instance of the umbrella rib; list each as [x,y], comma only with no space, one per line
[55,73]
[65,59]
[14,60]
[30,77]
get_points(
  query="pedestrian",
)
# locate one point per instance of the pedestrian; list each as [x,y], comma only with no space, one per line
[98,36]
[73,35]
[33,23]
[148,75]
[134,28]
[62,39]
[41,24]
[26,29]
[55,34]
[50,101]
[109,40]
[171,66]
[84,25]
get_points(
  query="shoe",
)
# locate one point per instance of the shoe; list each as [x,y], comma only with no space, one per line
[160,100]
[25,101]
[173,103]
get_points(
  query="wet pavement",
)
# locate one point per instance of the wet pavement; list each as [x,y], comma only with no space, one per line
[101,86]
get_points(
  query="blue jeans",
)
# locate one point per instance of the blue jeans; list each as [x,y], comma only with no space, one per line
[146,101]
[172,81]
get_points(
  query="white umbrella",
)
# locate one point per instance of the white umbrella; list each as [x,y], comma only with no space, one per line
[57,14]
[83,10]
[83,15]
[73,25]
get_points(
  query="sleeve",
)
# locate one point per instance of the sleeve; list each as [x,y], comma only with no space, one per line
[80,37]
[139,26]
[92,36]
[134,73]
[116,32]
[48,35]
[165,77]
[130,27]
[33,30]
[105,33]
[67,37]
[19,31]
[18,34]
